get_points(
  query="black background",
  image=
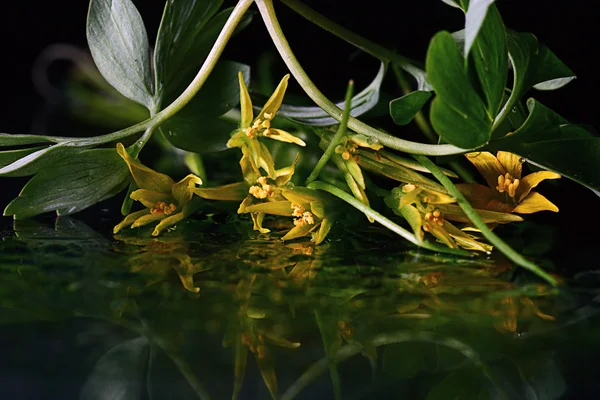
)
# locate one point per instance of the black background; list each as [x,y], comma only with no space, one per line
[570,29]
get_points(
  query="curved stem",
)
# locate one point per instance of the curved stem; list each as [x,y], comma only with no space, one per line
[476,219]
[268,14]
[369,212]
[336,139]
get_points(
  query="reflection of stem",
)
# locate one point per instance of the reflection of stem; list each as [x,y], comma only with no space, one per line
[268,14]
[348,351]
[210,62]
[479,224]
[333,370]
[383,220]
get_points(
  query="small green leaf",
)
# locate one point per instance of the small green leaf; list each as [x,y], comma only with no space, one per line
[535,65]
[458,114]
[196,127]
[549,141]
[404,109]
[119,45]
[361,103]
[182,22]
[71,184]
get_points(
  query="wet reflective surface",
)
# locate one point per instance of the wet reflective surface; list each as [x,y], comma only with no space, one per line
[209,312]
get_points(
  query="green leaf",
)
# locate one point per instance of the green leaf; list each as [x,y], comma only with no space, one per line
[458,114]
[547,140]
[119,45]
[182,22]
[361,103]
[71,184]
[178,62]
[404,109]
[474,20]
[9,139]
[120,373]
[196,127]
[452,3]
[10,156]
[463,384]
[490,56]
[33,161]
[535,65]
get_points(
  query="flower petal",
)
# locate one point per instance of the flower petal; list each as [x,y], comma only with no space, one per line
[488,166]
[250,171]
[272,105]
[283,136]
[257,219]
[299,231]
[130,219]
[167,222]
[149,198]
[356,173]
[233,192]
[532,180]
[184,189]
[283,208]
[323,231]
[284,175]
[453,212]
[245,103]
[478,195]
[148,219]
[144,177]
[266,161]
[533,203]
[511,163]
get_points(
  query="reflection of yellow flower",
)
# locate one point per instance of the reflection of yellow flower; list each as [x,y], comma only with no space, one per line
[165,200]
[255,154]
[507,191]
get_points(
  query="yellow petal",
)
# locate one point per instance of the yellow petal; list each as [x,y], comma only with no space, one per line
[469,243]
[250,171]
[130,219]
[414,219]
[266,161]
[184,189]
[511,163]
[167,222]
[147,219]
[323,231]
[478,195]
[435,197]
[356,173]
[237,139]
[283,208]
[185,273]
[365,141]
[317,208]
[533,203]
[488,166]
[272,105]
[284,175]
[245,103]
[301,196]
[299,231]
[233,192]
[281,342]
[257,219]
[265,365]
[455,213]
[283,136]
[149,198]
[144,177]
[532,180]
[245,204]
[440,233]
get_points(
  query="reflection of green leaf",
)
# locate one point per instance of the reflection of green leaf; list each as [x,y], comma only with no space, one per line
[548,140]
[458,114]
[462,384]
[404,360]
[404,109]
[120,373]
[71,185]
[119,46]
[196,128]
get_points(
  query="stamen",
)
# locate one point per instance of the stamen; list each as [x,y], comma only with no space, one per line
[162,207]
[346,155]
[435,217]
[508,184]
[409,187]
[306,219]
[268,116]
[298,210]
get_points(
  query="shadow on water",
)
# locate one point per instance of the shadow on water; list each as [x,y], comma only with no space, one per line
[216,315]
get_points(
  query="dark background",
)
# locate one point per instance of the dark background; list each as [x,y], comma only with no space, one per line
[568,28]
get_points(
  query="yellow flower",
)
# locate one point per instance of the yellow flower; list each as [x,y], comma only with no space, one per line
[256,154]
[507,190]
[165,200]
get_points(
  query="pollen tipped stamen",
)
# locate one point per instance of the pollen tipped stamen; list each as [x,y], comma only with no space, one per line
[435,217]
[162,207]
[306,219]
[508,184]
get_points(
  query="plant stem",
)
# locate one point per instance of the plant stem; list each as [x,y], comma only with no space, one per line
[268,14]
[369,212]
[479,224]
[336,139]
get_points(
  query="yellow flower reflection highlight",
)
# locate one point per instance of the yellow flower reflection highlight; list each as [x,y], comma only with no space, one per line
[507,190]
[165,200]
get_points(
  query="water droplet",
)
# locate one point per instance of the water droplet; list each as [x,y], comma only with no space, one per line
[514,110]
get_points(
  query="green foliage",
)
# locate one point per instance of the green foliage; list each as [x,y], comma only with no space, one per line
[404,109]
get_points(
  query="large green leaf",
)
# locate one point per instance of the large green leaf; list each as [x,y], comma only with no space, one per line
[361,103]
[71,184]
[535,65]
[32,160]
[549,141]
[404,109]
[196,127]
[119,45]
[176,43]
[474,20]
[177,63]
[458,114]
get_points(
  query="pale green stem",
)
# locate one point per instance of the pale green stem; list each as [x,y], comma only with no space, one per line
[187,95]
[369,212]
[347,351]
[479,224]
[270,19]
[336,139]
